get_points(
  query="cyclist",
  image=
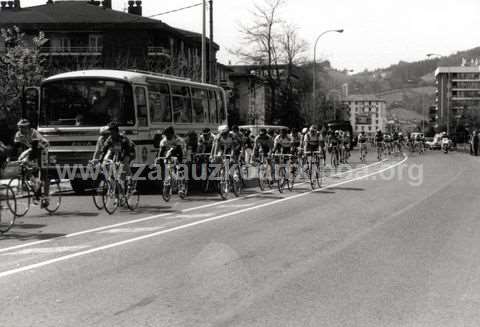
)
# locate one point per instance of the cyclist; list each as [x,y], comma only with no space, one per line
[119,145]
[237,142]
[379,144]
[311,141]
[387,138]
[172,145]
[295,136]
[282,143]
[362,140]
[104,133]
[247,142]
[205,141]
[224,143]
[263,142]
[34,152]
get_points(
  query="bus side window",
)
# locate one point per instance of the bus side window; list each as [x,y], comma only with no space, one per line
[221,107]
[213,107]
[160,104]
[142,112]
[200,105]
[182,104]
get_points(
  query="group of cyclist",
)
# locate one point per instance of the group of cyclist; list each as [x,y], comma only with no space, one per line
[241,145]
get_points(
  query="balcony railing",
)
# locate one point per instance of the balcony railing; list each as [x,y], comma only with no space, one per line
[158,51]
[71,51]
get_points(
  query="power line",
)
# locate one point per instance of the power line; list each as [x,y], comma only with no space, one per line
[175,10]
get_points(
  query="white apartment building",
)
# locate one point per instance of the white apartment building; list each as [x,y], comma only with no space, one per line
[366,113]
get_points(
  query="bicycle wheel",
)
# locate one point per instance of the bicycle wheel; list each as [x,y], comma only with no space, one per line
[8,208]
[132,195]
[167,191]
[237,182]
[262,176]
[98,194]
[182,186]
[54,196]
[23,195]
[223,184]
[111,196]
[291,178]
[282,179]
[313,171]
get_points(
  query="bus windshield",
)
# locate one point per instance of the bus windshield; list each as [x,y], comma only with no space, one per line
[87,103]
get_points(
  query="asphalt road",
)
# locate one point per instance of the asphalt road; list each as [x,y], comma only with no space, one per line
[396,243]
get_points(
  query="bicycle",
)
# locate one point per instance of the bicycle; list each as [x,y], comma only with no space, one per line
[363,152]
[29,188]
[313,164]
[264,172]
[228,182]
[380,150]
[117,192]
[285,178]
[97,193]
[334,156]
[8,208]
[202,164]
[172,181]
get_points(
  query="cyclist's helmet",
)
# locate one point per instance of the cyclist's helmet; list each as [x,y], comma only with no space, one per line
[104,130]
[305,130]
[313,128]
[113,126]
[169,131]
[271,132]
[263,131]
[23,123]
[223,129]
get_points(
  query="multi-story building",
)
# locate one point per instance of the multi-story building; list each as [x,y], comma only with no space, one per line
[366,113]
[90,34]
[458,90]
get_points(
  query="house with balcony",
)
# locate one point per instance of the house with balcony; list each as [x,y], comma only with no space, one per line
[90,34]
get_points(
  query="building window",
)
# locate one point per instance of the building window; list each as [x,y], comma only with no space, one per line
[369,128]
[95,42]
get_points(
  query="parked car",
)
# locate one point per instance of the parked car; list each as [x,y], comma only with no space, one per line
[435,143]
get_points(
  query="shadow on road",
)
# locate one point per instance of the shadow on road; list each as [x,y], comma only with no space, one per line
[15,235]
[347,189]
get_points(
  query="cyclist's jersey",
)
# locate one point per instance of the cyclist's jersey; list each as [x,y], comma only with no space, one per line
[296,139]
[379,138]
[282,144]
[265,143]
[224,145]
[247,141]
[312,139]
[237,140]
[395,137]
[123,147]
[334,140]
[205,142]
[387,138]
[346,139]
[362,139]
[32,135]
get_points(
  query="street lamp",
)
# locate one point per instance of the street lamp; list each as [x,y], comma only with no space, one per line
[314,95]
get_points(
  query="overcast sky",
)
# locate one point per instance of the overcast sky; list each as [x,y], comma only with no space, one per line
[378,33]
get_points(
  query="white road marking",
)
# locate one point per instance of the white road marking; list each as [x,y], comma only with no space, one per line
[140,220]
[131,230]
[58,249]
[195,215]
[181,227]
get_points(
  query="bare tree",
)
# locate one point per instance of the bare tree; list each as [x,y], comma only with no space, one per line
[260,43]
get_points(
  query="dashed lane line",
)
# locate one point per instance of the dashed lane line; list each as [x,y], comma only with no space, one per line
[181,227]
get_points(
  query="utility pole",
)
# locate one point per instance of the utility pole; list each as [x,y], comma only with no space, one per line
[211,54]
[204,7]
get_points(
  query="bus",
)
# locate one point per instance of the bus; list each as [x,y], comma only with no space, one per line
[74,105]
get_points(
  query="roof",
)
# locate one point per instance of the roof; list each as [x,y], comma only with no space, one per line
[364,97]
[457,69]
[70,14]
[123,75]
